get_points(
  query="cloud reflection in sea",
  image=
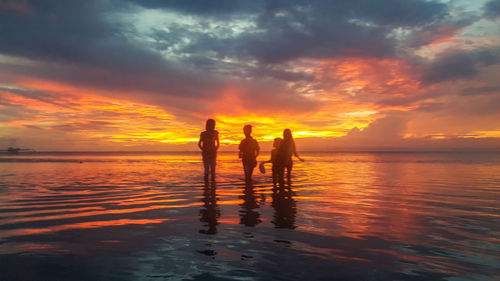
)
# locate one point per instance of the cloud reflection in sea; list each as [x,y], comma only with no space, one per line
[354,216]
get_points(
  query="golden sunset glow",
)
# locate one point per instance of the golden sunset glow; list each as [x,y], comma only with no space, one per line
[93,116]
[381,80]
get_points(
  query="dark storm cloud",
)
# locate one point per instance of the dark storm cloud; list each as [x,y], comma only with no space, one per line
[202,7]
[61,30]
[73,42]
[287,30]
[76,33]
[440,30]
[80,32]
[288,39]
[80,46]
[384,12]
[492,9]
[459,65]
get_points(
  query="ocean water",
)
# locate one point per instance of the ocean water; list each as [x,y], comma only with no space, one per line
[345,216]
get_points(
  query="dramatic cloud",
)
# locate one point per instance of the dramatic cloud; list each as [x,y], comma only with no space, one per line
[460,64]
[492,9]
[380,72]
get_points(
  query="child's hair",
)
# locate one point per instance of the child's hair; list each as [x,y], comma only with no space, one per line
[247,129]
[287,135]
[277,142]
[210,125]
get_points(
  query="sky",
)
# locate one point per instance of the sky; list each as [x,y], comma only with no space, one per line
[342,75]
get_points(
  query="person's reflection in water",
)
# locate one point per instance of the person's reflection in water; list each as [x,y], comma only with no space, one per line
[209,213]
[285,207]
[248,216]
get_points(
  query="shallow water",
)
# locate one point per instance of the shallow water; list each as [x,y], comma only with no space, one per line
[347,216]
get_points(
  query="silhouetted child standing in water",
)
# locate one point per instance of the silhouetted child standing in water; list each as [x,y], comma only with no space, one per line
[209,143]
[274,160]
[284,156]
[249,150]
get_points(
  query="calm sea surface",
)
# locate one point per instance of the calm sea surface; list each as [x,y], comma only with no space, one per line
[346,216]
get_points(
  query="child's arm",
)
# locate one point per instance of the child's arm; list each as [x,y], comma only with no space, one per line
[298,157]
[199,142]
[296,154]
[240,153]
[257,150]
[217,142]
[268,161]
[273,156]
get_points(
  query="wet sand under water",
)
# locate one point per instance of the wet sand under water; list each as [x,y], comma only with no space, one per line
[346,216]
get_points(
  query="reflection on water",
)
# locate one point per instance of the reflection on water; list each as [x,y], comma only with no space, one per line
[249,215]
[348,216]
[209,213]
[284,208]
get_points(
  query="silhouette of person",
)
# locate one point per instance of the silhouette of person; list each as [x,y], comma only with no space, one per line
[209,143]
[285,208]
[249,150]
[248,216]
[209,213]
[284,157]
[274,160]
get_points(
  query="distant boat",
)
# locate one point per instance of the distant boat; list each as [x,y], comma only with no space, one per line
[16,150]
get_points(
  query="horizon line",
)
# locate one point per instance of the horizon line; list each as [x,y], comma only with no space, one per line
[302,151]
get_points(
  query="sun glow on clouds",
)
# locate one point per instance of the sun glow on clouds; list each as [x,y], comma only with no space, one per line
[351,96]
[77,111]
[91,114]
[348,92]
[369,77]
[269,127]
[148,74]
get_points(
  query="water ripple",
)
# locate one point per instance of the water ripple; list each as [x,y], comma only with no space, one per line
[356,216]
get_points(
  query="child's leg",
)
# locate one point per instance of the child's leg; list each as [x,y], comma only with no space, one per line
[289,172]
[212,169]
[206,166]
[275,175]
[281,175]
[250,172]
[248,168]
[245,170]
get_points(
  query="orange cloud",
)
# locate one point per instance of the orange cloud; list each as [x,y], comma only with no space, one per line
[91,116]
[351,93]
[88,114]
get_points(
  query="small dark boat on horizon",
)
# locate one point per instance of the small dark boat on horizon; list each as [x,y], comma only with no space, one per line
[16,150]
